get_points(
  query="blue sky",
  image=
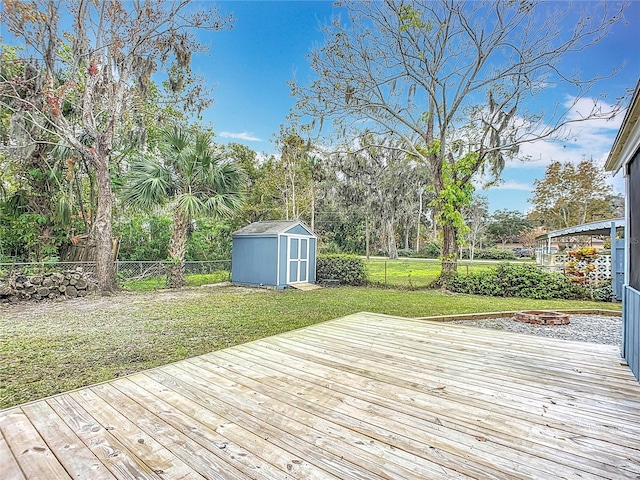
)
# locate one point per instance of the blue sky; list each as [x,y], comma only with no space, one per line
[251,65]
[267,47]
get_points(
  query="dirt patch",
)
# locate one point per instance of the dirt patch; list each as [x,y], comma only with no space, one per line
[118,301]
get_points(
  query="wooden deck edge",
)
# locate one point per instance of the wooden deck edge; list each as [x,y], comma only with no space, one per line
[511,313]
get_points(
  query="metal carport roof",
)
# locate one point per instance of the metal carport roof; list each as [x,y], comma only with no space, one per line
[601,227]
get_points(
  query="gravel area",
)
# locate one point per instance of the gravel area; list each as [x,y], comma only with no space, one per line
[582,328]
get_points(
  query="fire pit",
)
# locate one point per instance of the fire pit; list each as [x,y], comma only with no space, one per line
[542,317]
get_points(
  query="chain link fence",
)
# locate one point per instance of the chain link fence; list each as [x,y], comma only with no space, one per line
[152,273]
[416,273]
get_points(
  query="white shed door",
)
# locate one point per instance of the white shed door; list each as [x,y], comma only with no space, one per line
[298,264]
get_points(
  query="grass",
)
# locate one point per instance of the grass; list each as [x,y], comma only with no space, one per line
[54,347]
[159,281]
[416,273]
[412,273]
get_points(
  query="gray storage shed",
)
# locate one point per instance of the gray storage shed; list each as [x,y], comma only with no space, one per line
[274,253]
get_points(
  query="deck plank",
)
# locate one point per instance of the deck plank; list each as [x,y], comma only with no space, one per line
[499,368]
[367,396]
[285,450]
[77,459]
[558,370]
[319,432]
[200,425]
[198,459]
[9,467]
[143,446]
[502,428]
[31,452]
[584,355]
[379,402]
[115,457]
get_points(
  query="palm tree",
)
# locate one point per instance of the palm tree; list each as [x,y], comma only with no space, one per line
[189,177]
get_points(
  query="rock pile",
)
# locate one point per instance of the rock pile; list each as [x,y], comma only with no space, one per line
[64,284]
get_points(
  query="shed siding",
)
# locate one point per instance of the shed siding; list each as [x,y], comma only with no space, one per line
[631,305]
[254,260]
[298,230]
[631,329]
[633,221]
[260,254]
[284,261]
[312,260]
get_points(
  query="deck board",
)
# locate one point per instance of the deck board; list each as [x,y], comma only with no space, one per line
[361,397]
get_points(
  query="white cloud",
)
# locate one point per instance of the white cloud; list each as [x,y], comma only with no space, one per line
[584,107]
[589,139]
[247,136]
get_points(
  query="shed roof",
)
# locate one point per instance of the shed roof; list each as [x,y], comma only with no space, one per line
[602,227]
[271,227]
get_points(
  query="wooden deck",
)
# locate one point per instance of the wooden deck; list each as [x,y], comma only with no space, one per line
[361,397]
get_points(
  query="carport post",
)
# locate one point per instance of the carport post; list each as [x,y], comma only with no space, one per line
[613,258]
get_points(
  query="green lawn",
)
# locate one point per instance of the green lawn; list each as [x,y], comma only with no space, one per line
[52,347]
[159,282]
[412,273]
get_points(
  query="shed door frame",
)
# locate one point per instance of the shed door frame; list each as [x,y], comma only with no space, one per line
[300,259]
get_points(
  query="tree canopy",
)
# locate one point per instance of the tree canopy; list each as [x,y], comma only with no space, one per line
[570,195]
[454,81]
[506,225]
[85,80]
[191,178]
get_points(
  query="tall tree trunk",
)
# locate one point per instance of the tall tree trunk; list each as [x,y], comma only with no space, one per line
[407,228]
[294,212]
[392,249]
[449,232]
[449,249]
[313,208]
[366,234]
[177,248]
[102,230]
[418,223]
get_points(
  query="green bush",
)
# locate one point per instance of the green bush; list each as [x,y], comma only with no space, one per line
[517,280]
[490,254]
[329,248]
[430,250]
[603,291]
[347,269]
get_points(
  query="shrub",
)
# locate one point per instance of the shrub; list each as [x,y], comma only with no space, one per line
[490,254]
[348,269]
[406,252]
[329,248]
[603,291]
[517,280]
[430,250]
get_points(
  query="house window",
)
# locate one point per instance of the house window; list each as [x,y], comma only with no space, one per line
[633,222]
